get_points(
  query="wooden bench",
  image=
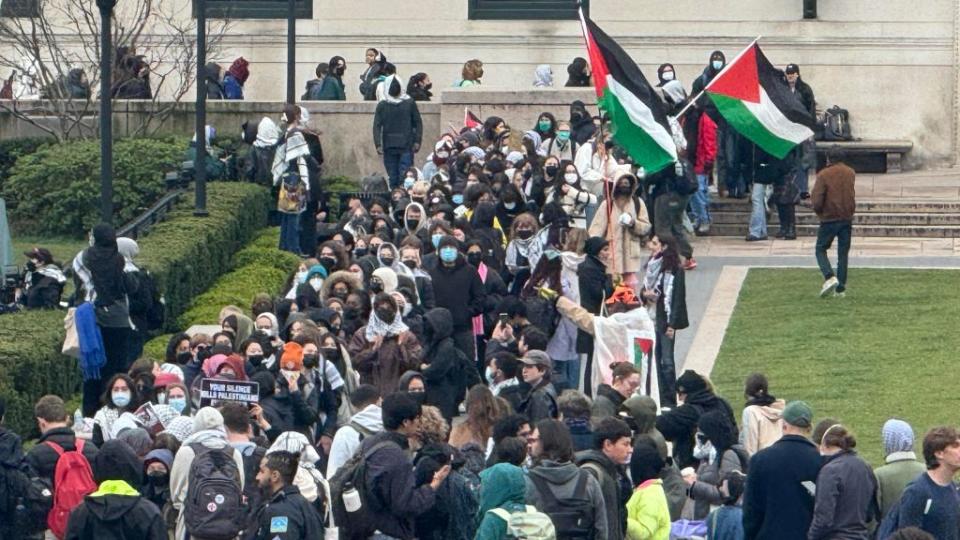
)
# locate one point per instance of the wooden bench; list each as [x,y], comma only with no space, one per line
[880,156]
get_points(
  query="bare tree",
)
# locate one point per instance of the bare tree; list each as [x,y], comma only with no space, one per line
[65,35]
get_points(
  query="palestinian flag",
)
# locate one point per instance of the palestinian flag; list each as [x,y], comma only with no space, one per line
[636,112]
[755,100]
[470,120]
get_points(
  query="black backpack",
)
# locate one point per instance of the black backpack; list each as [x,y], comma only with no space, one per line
[213,509]
[836,124]
[573,517]
[25,501]
[353,475]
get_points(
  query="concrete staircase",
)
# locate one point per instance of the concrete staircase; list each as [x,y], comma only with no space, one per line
[893,218]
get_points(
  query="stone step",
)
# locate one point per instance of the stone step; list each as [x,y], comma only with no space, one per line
[884,207]
[867,218]
[911,231]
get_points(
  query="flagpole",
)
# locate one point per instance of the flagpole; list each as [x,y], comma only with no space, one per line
[722,71]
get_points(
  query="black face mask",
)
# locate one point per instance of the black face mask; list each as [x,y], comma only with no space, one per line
[419,397]
[311,361]
[551,170]
[413,223]
[527,174]
[622,191]
[360,252]
[475,258]
[184,358]
[203,354]
[328,263]
[255,360]
[331,353]
[376,287]
[524,234]
[428,87]
[387,261]
[159,480]
[410,263]
[341,294]
[350,313]
[31,266]
[386,315]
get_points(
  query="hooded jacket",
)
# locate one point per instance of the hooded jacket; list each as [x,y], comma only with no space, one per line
[561,479]
[382,366]
[459,289]
[582,128]
[761,425]
[643,411]
[614,486]
[211,74]
[348,437]
[647,513]
[350,279]
[502,486]
[680,425]
[448,374]
[397,125]
[625,242]
[12,462]
[116,511]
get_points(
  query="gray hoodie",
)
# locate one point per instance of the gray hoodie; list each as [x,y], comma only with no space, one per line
[347,440]
[562,479]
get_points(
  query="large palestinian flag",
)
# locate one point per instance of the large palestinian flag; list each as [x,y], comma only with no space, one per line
[636,112]
[754,98]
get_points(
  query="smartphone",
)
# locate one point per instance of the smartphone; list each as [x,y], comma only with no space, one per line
[503,319]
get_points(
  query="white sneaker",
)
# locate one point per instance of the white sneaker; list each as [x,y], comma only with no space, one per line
[829,286]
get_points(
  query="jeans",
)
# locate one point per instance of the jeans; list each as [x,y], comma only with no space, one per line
[666,369]
[566,374]
[758,210]
[700,202]
[396,162]
[668,222]
[290,232]
[842,231]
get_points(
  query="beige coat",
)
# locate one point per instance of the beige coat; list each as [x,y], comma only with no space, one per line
[626,243]
[762,426]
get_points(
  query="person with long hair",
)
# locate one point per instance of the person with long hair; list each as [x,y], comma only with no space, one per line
[120,397]
[376,66]
[670,294]
[291,173]
[762,421]
[719,454]
[482,414]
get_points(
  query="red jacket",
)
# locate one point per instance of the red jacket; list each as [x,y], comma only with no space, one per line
[706,145]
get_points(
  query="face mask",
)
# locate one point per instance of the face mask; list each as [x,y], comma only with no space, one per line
[622,191]
[328,263]
[527,174]
[436,240]
[178,403]
[442,154]
[571,178]
[407,308]
[413,223]
[457,198]
[408,182]
[524,234]
[387,261]
[341,294]
[491,374]
[376,287]
[551,170]
[448,254]
[120,399]
[563,136]
[717,64]
[360,252]
[159,479]
[184,358]
[31,266]
[331,353]
[509,205]
[551,254]
[410,263]
[310,361]
[668,75]
[419,397]
[544,125]
[316,283]
[301,276]
[386,315]
[702,450]
[428,86]
[255,360]
[475,258]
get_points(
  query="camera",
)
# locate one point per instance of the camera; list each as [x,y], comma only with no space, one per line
[10,280]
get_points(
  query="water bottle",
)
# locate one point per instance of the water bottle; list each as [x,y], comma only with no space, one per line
[351,498]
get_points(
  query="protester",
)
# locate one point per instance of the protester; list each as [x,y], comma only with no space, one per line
[367,421]
[902,466]
[328,86]
[579,74]
[56,437]
[622,221]
[834,201]
[397,130]
[43,280]
[846,489]
[679,425]
[574,409]
[376,66]
[805,152]
[719,455]
[610,397]
[726,522]
[543,76]
[670,294]
[606,461]
[761,424]
[291,174]
[235,78]
[647,512]
[418,87]
[458,288]
[540,401]
[502,493]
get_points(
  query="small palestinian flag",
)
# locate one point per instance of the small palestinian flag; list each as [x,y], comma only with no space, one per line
[470,120]
[755,100]
[636,111]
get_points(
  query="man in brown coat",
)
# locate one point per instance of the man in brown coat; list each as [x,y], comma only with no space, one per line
[834,201]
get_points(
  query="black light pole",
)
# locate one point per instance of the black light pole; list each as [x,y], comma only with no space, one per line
[199,171]
[106,113]
[291,50]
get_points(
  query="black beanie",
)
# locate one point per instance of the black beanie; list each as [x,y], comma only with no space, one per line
[645,462]
[691,382]
[117,461]
[594,244]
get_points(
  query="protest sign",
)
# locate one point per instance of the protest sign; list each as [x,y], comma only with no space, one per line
[213,391]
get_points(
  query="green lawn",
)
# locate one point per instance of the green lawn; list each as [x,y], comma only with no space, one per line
[887,350]
[63,249]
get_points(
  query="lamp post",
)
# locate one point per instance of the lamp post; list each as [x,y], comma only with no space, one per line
[291,50]
[106,113]
[200,156]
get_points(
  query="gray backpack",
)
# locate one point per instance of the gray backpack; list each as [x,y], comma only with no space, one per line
[213,507]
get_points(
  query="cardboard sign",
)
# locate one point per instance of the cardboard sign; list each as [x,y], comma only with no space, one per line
[214,391]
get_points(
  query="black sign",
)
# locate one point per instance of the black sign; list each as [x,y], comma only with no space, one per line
[214,391]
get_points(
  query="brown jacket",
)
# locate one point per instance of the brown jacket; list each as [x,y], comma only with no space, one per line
[382,366]
[834,197]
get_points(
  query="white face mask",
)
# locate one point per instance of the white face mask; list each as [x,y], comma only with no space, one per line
[316,283]
[509,205]
[301,276]
[407,308]
[668,75]
[704,451]
[571,178]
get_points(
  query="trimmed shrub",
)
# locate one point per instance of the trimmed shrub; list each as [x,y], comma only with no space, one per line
[56,189]
[12,149]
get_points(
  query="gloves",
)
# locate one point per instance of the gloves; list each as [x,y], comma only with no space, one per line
[548,294]
[626,219]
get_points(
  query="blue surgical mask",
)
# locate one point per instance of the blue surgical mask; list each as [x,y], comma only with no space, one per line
[408,182]
[121,399]
[436,240]
[448,254]
[717,64]
[551,254]
[490,373]
[457,198]
[178,404]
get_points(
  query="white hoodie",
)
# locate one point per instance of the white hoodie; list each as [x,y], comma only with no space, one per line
[347,440]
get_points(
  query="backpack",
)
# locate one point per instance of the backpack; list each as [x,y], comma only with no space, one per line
[836,124]
[527,525]
[462,501]
[572,517]
[293,195]
[214,498]
[26,501]
[72,480]
[362,432]
[353,475]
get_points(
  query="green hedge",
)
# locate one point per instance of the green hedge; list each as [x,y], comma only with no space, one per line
[260,267]
[56,189]
[12,149]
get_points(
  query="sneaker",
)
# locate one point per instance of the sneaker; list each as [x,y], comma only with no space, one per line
[829,286]
[690,264]
[841,294]
[703,229]
[752,238]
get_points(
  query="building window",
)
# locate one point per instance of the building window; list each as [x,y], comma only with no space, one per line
[524,9]
[19,8]
[255,9]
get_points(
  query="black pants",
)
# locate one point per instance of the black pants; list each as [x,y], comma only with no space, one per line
[842,231]
[116,344]
[466,342]
[666,369]
[668,222]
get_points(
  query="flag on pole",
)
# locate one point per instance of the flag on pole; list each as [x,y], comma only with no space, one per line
[755,100]
[470,120]
[636,112]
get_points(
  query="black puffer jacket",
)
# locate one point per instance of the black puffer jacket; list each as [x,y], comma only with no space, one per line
[679,425]
[459,289]
[449,372]
[13,477]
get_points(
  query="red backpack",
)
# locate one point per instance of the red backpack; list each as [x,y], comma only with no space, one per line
[72,481]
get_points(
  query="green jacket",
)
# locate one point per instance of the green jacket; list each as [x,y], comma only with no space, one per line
[901,469]
[215,169]
[501,486]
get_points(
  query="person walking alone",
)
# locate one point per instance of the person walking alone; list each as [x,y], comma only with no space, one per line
[834,201]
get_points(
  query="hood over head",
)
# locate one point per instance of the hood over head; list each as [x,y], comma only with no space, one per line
[643,409]
[404,380]
[437,325]
[501,484]
[350,279]
[897,437]
[543,76]
[117,461]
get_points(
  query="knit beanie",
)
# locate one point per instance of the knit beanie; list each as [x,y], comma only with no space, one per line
[292,359]
[897,437]
[691,382]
